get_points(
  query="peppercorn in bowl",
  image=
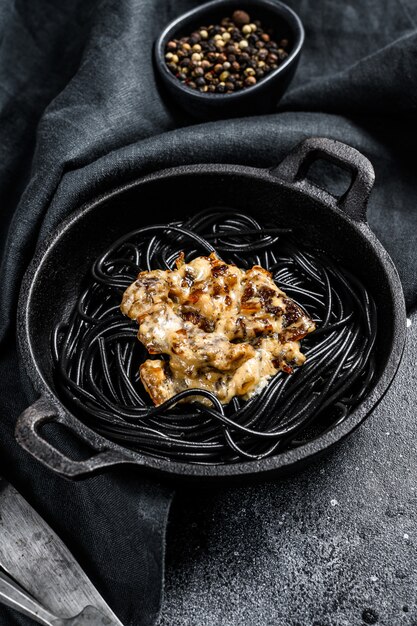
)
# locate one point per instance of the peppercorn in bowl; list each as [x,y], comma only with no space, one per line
[229,57]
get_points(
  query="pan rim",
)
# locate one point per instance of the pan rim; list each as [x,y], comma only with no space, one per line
[281,461]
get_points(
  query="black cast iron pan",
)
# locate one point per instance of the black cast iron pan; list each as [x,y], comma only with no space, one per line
[283,194]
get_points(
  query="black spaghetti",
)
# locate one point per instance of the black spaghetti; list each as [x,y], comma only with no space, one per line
[97,354]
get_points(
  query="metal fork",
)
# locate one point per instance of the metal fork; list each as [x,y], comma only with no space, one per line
[12,595]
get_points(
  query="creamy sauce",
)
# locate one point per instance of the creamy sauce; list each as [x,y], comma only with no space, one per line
[223,329]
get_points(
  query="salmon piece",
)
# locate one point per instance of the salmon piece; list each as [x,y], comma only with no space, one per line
[224,329]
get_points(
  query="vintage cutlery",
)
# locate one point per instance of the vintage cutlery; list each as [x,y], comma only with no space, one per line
[39,567]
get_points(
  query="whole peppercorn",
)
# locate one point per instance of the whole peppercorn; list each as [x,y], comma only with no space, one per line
[250,80]
[226,57]
[240,18]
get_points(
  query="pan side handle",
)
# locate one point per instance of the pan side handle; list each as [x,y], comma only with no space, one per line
[28,435]
[294,169]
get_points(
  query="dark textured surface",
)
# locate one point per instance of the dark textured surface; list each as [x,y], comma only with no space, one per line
[80,112]
[335,546]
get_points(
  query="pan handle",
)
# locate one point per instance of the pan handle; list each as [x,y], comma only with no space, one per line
[28,435]
[294,169]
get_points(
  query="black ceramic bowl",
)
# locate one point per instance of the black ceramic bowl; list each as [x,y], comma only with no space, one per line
[283,195]
[262,97]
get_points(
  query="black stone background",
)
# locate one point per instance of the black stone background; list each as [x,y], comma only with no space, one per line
[334,546]
[80,112]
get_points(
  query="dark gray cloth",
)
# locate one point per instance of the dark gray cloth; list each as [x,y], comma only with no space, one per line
[81,111]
